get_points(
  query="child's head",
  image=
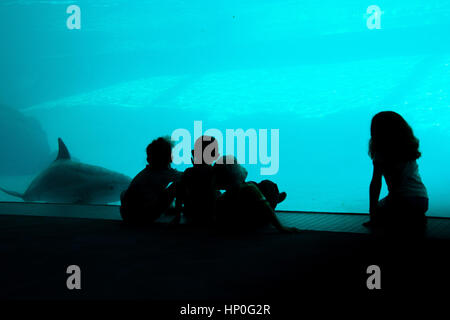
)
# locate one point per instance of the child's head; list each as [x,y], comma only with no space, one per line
[392,137]
[270,191]
[206,150]
[229,172]
[159,153]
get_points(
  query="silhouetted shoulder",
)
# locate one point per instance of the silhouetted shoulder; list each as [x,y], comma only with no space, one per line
[198,173]
[175,174]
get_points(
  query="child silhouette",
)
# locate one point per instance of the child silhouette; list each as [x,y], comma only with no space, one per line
[196,192]
[245,205]
[394,150]
[148,197]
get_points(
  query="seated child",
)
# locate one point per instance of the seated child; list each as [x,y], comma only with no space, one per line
[148,197]
[243,206]
[394,150]
[196,192]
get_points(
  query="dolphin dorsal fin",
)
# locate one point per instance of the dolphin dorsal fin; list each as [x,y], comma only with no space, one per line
[63,153]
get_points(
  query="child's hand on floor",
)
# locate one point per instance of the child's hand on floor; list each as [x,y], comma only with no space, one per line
[290,230]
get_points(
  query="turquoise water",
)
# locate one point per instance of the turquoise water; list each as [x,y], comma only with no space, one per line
[314,70]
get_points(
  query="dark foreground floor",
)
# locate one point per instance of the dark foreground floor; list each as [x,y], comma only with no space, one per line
[184,264]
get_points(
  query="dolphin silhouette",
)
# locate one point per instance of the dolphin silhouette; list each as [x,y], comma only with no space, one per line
[68,181]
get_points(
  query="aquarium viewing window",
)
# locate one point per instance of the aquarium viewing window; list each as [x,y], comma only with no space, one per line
[289,87]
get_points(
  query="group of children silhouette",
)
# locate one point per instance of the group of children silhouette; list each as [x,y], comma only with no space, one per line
[214,191]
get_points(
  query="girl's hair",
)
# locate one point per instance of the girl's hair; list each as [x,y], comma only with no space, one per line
[159,153]
[392,138]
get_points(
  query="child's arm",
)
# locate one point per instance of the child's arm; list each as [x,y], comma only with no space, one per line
[179,198]
[277,224]
[264,207]
[176,219]
[375,187]
[267,210]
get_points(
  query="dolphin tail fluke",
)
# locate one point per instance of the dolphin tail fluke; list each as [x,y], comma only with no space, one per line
[12,193]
